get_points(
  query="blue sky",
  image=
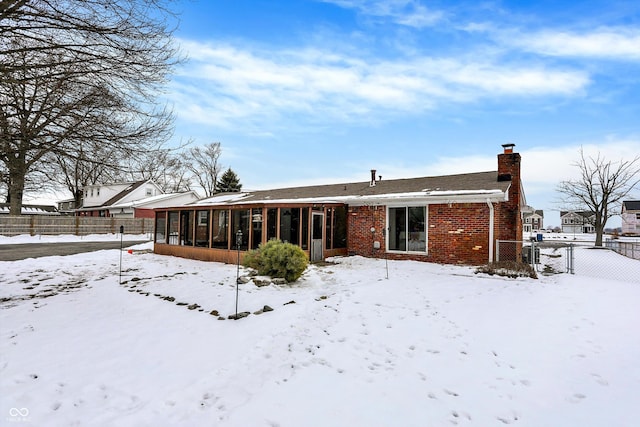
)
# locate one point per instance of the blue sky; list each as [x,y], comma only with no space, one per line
[309,92]
[304,92]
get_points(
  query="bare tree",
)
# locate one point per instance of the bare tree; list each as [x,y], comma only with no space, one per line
[204,166]
[80,73]
[601,186]
[85,164]
[166,167]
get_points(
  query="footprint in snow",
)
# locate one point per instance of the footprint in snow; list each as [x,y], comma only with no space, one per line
[600,380]
[508,419]
[576,398]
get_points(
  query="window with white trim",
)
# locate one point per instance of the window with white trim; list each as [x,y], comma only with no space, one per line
[407,229]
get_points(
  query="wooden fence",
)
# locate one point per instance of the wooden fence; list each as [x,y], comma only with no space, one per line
[76,225]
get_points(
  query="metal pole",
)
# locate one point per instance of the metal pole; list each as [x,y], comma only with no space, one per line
[386,263]
[533,255]
[121,233]
[238,243]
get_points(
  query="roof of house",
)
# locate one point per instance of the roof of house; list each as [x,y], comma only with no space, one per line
[631,205]
[151,200]
[31,209]
[125,192]
[117,197]
[481,184]
[585,214]
[539,212]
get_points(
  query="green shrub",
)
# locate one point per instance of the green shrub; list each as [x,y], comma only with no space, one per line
[277,259]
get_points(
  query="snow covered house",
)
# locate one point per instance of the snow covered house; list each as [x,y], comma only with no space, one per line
[129,200]
[631,217]
[453,219]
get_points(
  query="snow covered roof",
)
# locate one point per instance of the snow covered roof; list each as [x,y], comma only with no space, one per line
[31,209]
[155,201]
[462,187]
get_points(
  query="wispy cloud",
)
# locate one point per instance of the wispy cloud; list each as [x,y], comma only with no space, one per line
[618,43]
[410,13]
[223,84]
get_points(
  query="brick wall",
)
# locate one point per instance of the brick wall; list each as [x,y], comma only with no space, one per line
[143,213]
[360,238]
[457,234]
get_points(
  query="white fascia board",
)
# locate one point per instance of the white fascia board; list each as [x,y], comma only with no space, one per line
[308,200]
[480,196]
[433,197]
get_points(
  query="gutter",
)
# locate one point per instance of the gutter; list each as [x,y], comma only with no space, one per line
[490,230]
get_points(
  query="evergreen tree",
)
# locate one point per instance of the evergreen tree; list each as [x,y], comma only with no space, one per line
[229,182]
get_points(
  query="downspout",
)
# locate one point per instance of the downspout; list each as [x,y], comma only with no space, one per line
[490,230]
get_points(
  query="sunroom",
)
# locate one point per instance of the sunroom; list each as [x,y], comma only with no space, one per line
[217,232]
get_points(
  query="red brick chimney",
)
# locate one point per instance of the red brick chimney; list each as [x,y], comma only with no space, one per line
[510,227]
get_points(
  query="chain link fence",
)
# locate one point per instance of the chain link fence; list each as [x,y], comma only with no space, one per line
[628,249]
[614,261]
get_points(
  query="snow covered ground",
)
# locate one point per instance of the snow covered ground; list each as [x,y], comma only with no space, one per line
[431,345]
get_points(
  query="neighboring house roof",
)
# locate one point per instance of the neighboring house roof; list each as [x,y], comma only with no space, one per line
[584,214]
[161,200]
[31,209]
[536,212]
[124,193]
[462,187]
[118,197]
[631,205]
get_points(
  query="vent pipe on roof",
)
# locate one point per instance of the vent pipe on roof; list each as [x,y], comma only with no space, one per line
[372,183]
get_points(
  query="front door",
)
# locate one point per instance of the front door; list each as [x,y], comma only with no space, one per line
[316,236]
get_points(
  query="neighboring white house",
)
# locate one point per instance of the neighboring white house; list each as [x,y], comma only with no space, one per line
[631,217]
[129,200]
[577,222]
[532,219]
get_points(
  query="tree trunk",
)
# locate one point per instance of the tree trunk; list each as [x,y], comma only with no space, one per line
[599,233]
[16,188]
[77,198]
[600,222]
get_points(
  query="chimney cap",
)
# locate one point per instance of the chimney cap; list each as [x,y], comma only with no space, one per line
[508,148]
